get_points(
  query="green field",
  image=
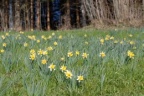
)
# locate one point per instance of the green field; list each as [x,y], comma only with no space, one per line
[72,63]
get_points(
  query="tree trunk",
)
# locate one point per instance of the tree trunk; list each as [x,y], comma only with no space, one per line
[77,14]
[27,15]
[48,15]
[31,15]
[67,16]
[83,14]
[17,15]
[11,15]
[6,15]
[38,19]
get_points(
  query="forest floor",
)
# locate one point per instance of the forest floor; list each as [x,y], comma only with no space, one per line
[86,62]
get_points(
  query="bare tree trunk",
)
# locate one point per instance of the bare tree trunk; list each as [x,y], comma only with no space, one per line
[77,14]
[66,16]
[10,15]
[31,15]
[27,6]
[6,15]
[143,10]
[1,16]
[17,15]
[83,13]
[38,20]
[48,15]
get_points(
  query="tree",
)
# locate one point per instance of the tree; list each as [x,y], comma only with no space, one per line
[11,26]
[17,24]
[38,15]
[48,15]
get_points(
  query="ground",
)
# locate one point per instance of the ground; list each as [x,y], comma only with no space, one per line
[86,62]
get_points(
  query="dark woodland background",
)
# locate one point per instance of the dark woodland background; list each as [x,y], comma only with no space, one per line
[67,14]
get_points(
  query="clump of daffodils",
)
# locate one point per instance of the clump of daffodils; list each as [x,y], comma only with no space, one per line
[130,54]
[32,54]
[33,37]
[107,37]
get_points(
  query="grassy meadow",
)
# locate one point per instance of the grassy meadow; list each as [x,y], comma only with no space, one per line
[72,63]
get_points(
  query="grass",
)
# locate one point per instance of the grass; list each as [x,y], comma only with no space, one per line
[115,74]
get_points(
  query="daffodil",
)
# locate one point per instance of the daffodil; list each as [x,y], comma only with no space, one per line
[63,68]
[85,55]
[32,30]
[60,37]
[42,36]
[55,43]
[112,38]
[50,48]
[132,42]
[21,32]
[33,37]
[77,53]
[52,67]
[102,41]
[2,51]
[38,41]
[70,54]
[80,78]
[3,37]
[85,35]
[68,74]
[86,43]
[25,44]
[4,44]
[7,34]
[44,61]
[40,52]
[107,37]
[62,59]
[115,41]
[45,52]
[130,54]
[32,56]
[49,37]
[130,35]
[53,34]
[102,54]
[121,42]
[32,51]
